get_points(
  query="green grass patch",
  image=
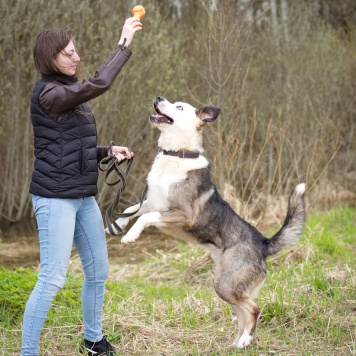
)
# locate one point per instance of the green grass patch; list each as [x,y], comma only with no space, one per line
[166,305]
[17,285]
[334,233]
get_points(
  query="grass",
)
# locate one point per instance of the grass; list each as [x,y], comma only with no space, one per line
[166,305]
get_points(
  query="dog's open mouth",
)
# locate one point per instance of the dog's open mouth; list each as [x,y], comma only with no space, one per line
[160,118]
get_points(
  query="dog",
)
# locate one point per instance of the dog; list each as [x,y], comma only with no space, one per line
[183,201]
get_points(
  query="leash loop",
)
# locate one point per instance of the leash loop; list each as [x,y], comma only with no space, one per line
[110,165]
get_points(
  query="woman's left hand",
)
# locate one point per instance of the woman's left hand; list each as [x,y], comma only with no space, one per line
[121,153]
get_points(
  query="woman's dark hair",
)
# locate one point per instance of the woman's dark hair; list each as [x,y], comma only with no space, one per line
[48,44]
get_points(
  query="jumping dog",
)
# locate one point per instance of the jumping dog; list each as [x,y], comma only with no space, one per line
[183,201]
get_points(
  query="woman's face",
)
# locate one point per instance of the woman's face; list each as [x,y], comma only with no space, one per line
[66,61]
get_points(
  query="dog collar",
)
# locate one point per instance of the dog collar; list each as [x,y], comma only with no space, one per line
[182,154]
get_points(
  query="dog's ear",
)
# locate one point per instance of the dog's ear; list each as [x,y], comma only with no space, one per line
[208,113]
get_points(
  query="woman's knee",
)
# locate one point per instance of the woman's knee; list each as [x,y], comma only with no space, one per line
[50,287]
[98,272]
[103,270]
[52,278]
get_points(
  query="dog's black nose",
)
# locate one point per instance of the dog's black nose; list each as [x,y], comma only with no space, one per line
[159,98]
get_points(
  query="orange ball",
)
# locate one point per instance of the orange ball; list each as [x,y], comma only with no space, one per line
[138,11]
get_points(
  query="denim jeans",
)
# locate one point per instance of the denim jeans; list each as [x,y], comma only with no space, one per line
[60,223]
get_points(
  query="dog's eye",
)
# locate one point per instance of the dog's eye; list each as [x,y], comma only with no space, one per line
[179,107]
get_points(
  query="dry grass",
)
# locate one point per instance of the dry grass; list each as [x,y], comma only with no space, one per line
[166,305]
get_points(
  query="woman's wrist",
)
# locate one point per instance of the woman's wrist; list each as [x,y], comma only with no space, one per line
[123,43]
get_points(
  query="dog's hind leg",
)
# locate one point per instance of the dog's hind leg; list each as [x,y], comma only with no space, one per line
[250,312]
[247,312]
[240,322]
[241,311]
[237,283]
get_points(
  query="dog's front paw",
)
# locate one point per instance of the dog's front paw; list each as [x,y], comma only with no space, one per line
[134,233]
[129,237]
[127,240]
[121,222]
[108,232]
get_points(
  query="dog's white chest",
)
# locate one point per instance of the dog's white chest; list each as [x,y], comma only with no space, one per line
[165,172]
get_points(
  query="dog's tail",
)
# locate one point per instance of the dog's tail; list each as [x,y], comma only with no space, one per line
[294,222]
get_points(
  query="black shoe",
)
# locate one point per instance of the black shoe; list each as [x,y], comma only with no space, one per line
[102,347]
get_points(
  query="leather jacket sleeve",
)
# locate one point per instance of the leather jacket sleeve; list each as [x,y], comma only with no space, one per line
[57,98]
[102,152]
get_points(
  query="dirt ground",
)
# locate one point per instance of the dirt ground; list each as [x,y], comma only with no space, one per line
[23,251]
[20,250]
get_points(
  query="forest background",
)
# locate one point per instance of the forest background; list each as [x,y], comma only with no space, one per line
[283,72]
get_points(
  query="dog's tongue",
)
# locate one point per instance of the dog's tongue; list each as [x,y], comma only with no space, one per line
[162,117]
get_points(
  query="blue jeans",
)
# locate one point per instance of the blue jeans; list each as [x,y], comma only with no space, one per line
[60,223]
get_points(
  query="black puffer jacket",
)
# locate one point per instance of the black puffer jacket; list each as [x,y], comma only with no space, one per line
[65,137]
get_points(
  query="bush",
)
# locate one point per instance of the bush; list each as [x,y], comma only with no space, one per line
[286,89]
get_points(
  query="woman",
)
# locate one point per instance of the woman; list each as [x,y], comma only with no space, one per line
[64,181]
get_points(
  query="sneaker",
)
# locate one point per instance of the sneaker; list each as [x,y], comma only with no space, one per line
[102,347]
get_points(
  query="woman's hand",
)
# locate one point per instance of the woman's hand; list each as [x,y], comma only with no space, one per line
[121,153]
[131,26]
